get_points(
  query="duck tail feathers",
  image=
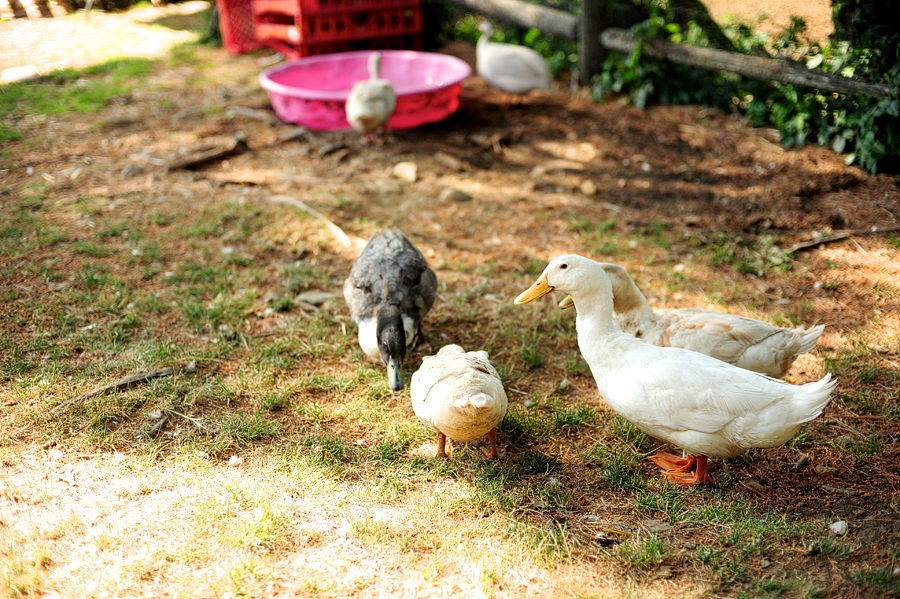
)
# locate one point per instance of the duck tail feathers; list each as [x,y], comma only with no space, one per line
[807,338]
[814,397]
[475,400]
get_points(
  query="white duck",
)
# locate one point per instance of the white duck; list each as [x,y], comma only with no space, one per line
[745,342]
[371,102]
[514,69]
[703,405]
[458,394]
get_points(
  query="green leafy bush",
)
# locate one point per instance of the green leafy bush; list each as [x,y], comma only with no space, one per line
[866,129]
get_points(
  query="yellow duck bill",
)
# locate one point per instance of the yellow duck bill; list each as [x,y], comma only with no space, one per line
[567,303]
[540,288]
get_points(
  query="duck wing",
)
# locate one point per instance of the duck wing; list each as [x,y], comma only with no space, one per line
[751,344]
[390,270]
[677,390]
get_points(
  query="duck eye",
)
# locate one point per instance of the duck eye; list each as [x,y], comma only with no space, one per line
[563,266]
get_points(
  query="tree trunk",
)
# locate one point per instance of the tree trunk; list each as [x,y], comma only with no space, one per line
[596,15]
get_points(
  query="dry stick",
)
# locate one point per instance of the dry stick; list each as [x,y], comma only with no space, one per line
[153,430]
[123,383]
[336,230]
[259,115]
[199,158]
[841,235]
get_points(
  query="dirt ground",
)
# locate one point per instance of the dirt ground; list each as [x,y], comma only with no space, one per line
[533,171]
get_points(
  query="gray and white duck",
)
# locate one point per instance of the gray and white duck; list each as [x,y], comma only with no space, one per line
[389,291]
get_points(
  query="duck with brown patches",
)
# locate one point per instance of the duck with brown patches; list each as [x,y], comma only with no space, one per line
[745,342]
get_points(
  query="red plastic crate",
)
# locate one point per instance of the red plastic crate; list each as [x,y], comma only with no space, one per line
[303,27]
[236,25]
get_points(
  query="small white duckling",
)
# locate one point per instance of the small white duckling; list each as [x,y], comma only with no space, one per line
[458,394]
[371,102]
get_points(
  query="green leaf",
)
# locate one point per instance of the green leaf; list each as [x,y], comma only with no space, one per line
[815,61]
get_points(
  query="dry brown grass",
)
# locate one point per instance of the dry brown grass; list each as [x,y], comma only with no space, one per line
[328,496]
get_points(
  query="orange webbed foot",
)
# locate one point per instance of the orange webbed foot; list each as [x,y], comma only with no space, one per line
[672,463]
[678,470]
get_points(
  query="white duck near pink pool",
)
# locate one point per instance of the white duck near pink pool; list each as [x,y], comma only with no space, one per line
[312,91]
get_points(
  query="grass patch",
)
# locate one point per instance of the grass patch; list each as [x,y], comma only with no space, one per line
[70,90]
[24,574]
[641,554]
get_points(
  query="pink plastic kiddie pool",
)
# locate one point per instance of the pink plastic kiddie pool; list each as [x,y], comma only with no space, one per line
[312,91]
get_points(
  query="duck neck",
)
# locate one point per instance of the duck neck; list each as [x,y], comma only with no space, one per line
[375,65]
[484,39]
[633,313]
[390,332]
[594,316]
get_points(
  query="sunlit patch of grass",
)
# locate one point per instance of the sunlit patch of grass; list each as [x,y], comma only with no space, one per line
[223,313]
[536,462]
[239,430]
[573,418]
[631,435]
[24,574]
[520,423]
[328,451]
[727,566]
[266,531]
[756,257]
[58,93]
[880,581]
[7,134]
[577,366]
[33,194]
[601,236]
[555,495]
[550,541]
[248,578]
[775,588]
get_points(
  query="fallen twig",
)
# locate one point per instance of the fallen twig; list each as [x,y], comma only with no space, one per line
[207,154]
[194,421]
[839,235]
[342,237]
[297,133]
[123,383]
[153,430]
[253,113]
